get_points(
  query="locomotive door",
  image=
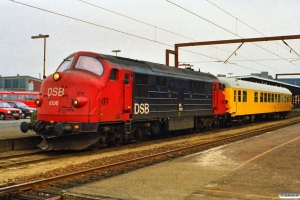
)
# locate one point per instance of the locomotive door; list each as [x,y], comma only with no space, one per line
[127,92]
[215,96]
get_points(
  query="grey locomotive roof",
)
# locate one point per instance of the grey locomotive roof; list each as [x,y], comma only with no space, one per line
[236,83]
[144,67]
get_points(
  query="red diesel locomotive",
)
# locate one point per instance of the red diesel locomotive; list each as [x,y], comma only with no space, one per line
[93,100]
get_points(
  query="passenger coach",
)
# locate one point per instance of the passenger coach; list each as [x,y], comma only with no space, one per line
[248,100]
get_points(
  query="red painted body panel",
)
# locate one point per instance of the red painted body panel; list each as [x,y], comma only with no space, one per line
[219,105]
[106,98]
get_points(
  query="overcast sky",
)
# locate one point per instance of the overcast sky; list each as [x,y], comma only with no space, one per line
[144,29]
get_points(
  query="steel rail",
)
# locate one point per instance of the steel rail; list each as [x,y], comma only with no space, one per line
[235,137]
[30,161]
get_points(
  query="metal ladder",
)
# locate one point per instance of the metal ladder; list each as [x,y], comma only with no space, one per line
[127,129]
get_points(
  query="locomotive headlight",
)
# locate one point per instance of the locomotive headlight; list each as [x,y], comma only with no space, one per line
[56,76]
[75,102]
[79,102]
[38,102]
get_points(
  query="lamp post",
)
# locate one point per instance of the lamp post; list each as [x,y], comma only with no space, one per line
[116,51]
[38,37]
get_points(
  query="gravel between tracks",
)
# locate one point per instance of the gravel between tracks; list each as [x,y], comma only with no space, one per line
[105,156]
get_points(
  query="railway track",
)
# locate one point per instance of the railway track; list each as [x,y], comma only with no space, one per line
[10,191]
[30,158]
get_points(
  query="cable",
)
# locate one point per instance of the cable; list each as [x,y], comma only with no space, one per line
[228,31]
[98,25]
[164,29]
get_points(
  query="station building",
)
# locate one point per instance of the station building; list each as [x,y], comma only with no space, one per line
[20,83]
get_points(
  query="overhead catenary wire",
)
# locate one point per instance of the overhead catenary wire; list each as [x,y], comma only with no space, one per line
[228,31]
[156,27]
[111,29]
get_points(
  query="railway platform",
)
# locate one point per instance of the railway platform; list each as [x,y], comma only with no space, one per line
[261,167]
[11,137]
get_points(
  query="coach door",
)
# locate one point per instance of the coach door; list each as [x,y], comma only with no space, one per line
[127,92]
[236,98]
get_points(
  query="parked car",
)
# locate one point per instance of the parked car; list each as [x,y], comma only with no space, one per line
[7,111]
[26,111]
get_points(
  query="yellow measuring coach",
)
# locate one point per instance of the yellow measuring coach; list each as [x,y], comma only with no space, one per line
[248,100]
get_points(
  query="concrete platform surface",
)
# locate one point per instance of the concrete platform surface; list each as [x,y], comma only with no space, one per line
[260,167]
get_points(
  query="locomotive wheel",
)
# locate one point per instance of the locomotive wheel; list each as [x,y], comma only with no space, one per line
[117,140]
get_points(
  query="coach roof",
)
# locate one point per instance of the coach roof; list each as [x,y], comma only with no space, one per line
[239,84]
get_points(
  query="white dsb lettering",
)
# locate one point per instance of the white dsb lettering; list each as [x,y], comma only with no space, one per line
[55,91]
[142,108]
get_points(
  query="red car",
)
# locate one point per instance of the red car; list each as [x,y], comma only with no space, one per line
[7,111]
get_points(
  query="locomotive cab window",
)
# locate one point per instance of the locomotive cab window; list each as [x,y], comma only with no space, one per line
[126,79]
[65,65]
[113,74]
[90,64]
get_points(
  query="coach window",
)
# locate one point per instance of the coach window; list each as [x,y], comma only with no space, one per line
[234,95]
[90,64]
[255,96]
[65,65]
[12,97]
[275,99]
[244,96]
[21,97]
[279,100]
[113,74]
[265,97]
[239,96]
[261,97]
[269,97]
[283,98]
[272,98]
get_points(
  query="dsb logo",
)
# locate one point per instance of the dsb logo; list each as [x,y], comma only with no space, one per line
[142,108]
[55,91]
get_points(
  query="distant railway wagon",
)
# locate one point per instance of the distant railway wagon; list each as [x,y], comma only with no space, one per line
[251,100]
[22,96]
